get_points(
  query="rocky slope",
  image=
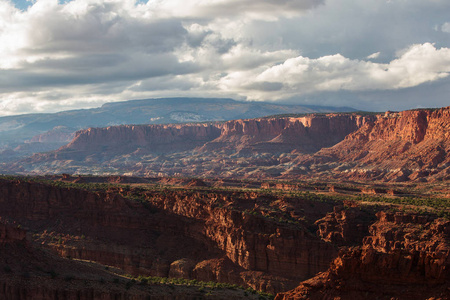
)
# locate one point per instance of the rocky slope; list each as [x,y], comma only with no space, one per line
[403,257]
[410,145]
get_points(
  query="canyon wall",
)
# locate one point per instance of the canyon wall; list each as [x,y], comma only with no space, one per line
[191,149]
[276,135]
[404,256]
[404,146]
[159,138]
[183,233]
[306,133]
[253,243]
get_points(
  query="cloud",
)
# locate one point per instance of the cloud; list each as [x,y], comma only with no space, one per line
[74,54]
[446,27]
[374,55]
[302,75]
[253,9]
[85,26]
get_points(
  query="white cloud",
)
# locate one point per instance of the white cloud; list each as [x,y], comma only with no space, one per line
[302,75]
[374,55]
[446,27]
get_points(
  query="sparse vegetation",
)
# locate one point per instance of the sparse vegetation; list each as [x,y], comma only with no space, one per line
[440,206]
[203,286]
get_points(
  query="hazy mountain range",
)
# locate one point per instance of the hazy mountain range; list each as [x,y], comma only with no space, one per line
[23,135]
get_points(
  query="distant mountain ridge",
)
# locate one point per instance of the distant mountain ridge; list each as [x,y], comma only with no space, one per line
[15,131]
[238,147]
[405,146]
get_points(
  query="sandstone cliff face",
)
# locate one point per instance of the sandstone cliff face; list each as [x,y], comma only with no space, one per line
[158,138]
[345,226]
[405,146]
[307,133]
[404,257]
[27,272]
[253,243]
[148,147]
[277,135]
[410,145]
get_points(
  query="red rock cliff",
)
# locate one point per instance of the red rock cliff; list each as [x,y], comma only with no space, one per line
[306,134]
[410,145]
[253,243]
[403,257]
[173,137]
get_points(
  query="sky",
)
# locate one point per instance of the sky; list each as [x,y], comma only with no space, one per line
[367,54]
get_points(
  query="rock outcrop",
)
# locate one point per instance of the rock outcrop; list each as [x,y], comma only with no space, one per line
[277,135]
[126,139]
[404,257]
[409,145]
[345,226]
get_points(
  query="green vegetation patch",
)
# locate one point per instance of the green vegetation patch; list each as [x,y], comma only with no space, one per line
[202,285]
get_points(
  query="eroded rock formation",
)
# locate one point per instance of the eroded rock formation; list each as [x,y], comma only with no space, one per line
[345,226]
[409,145]
[404,257]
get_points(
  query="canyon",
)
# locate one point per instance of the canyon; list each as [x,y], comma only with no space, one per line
[318,206]
[166,233]
[393,147]
[403,257]
[101,232]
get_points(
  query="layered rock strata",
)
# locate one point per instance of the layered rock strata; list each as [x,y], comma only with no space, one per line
[409,145]
[404,257]
[141,149]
